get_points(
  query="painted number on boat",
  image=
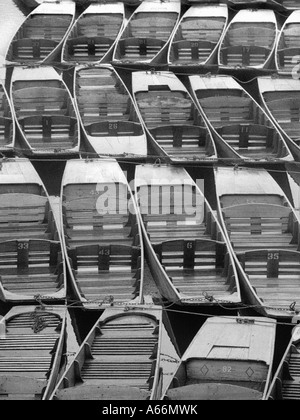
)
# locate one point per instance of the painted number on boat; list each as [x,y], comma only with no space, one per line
[23,245]
[273,255]
[226,369]
[113,126]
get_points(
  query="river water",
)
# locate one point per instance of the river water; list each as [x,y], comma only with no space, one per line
[185,325]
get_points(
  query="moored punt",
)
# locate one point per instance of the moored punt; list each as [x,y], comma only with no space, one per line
[110,121]
[145,37]
[175,126]
[32,266]
[286,380]
[94,34]
[186,249]
[249,41]
[39,39]
[287,48]
[7,122]
[262,227]
[237,120]
[45,112]
[102,236]
[196,39]
[281,99]
[32,343]
[122,358]
[230,358]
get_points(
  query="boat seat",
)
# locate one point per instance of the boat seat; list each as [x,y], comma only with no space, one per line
[91,48]
[290,37]
[101,392]
[275,274]
[153,27]
[18,387]
[43,131]
[239,56]
[228,200]
[229,109]
[188,51]
[286,111]
[286,58]
[31,267]
[183,141]
[255,225]
[196,266]
[31,49]
[114,129]
[138,48]
[102,271]
[250,35]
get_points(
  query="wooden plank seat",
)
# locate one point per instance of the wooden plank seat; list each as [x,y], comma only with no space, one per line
[91,48]
[228,109]
[183,141]
[42,100]
[286,58]
[152,25]
[251,34]
[239,56]
[286,111]
[31,267]
[27,49]
[275,274]
[114,129]
[185,51]
[44,131]
[25,216]
[6,131]
[138,48]
[123,353]
[252,139]
[105,271]
[259,225]
[160,109]
[196,266]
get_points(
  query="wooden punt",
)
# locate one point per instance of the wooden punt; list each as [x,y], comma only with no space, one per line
[145,37]
[196,39]
[122,358]
[94,34]
[176,129]
[32,343]
[249,41]
[237,121]
[287,47]
[109,119]
[262,227]
[281,99]
[230,358]
[286,380]
[45,112]
[187,252]
[102,236]
[7,122]
[32,266]
[40,37]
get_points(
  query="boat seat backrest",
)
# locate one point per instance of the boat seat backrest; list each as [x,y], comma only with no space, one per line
[40,255]
[247,136]
[104,258]
[201,29]
[255,34]
[181,136]
[271,263]
[256,218]
[191,254]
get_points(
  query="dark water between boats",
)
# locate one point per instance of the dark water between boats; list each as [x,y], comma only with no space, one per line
[185,324]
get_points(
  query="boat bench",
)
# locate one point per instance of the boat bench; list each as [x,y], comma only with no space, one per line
[135,48]
[286,58]
[31,49]
[238,56]
[155,27]
[186,51]
[254,225]
[31,266]
[24,216]
[84,47]
[201,29]
[254,35]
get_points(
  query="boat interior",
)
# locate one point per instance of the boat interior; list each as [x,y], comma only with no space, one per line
[46,114]
[288,47]
[248,44]
[174,122]
[92,36]
[145,35]
[6,122]
[241,123]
